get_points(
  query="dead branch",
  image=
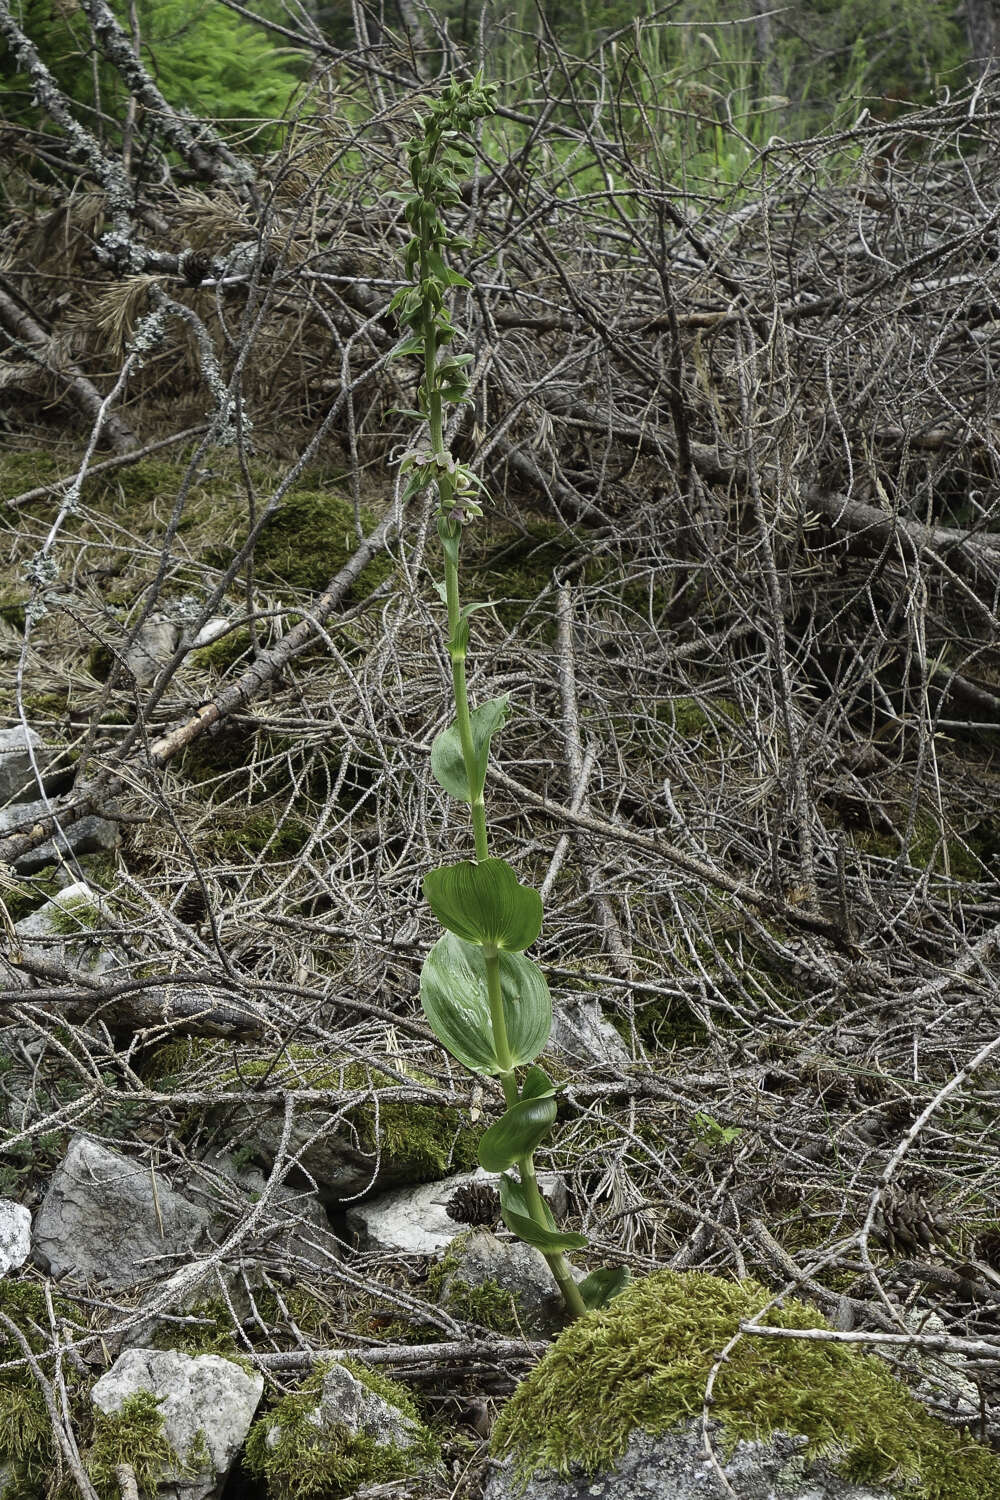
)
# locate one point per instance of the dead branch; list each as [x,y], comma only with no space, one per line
[22,326]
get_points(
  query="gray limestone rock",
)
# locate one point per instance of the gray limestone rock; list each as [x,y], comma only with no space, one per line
[415,1220]
[17,778]
[63,930]
[295,1227]
[207,1404]
[581,1034]
[346,1402]
[212,629]
[156,643]
[330,1155]
[516,1268]
[334,1147]
[103,1219]
[938,1378]
[674,1467]
[15,1235]
[181,1292]
[91,835]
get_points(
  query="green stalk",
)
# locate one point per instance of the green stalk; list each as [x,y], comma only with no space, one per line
[432,166]
[455,649]
[457,653]
[499,1023]
[557,1262]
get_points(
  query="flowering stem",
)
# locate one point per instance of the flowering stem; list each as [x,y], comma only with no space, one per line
[437,156]
[451,535]
[457,651]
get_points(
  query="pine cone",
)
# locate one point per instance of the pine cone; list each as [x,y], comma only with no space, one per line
[195,266]
[911,1225]
[476,1203]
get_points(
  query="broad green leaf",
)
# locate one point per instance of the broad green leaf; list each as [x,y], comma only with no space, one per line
[485,903]
[537,1084]
[549,1241]
[452,371]
[514,1197]
[436,264]
[447,762]
[601,1287]
[455,1001]
[517,1133]
[514,1212]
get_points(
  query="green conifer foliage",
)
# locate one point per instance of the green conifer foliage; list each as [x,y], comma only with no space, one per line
[204,58]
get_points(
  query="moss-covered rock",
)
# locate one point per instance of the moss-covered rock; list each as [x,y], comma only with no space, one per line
[693,717]
[221,655]
[239,835]
[471,1297]
[511,567]
[26,1443]
[409,1141]
[303,1452]
[643,1363]
[76,909]
[133,1435]
[929,848]
[178,1420]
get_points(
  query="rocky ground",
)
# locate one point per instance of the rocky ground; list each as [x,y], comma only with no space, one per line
[739,575]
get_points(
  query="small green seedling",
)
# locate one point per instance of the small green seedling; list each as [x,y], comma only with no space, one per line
[485,1000]
[707,1128]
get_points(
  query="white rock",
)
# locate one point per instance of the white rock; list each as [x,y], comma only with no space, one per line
[580,1033]
[207,1403]
[156,643]
[210,631]
[416,1221]
[15,1235]
[63,930]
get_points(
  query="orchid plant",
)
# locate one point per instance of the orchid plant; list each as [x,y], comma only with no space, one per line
[485,1000]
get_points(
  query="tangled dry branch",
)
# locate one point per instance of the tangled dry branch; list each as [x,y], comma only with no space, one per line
[743,439]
